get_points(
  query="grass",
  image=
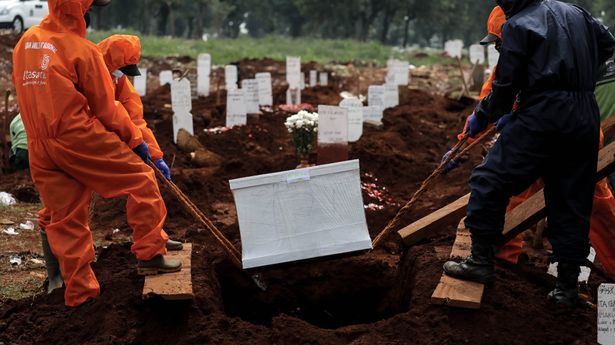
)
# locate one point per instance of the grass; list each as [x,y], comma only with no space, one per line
[224,51]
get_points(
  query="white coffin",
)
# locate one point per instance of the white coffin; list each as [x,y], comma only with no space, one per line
[301,214]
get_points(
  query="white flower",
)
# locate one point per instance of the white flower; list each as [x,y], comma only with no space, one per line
[299,123]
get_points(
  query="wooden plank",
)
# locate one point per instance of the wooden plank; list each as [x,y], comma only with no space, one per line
[456,292]
[518,220]
[435,222]
[172,286]
[608,127]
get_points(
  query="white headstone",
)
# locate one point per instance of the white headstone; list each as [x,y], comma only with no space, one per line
[293,72]
[301,214]
[250,89]
[373,114]
[166,77]
[454,48]
[302,81]
[375,95]
[324,78]
[203,73]
[399,72]
[230,76]
[355,118]
[391,95]
[477,54]
[313,78]
[181,99]
[140,82]
[236,111]
[293,96]
[265,92]
[606,314]
[493,56]
[332,125]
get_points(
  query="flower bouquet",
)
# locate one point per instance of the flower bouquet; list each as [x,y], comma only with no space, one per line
[303,126]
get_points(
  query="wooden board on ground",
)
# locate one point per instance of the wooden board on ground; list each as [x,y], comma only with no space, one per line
[520,219]
[455,292]
[172,286]
[435,221]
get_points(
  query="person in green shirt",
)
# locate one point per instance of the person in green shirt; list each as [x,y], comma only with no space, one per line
[19,144]
[605,96]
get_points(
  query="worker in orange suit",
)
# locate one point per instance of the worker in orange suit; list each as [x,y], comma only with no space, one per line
[602,230]
[80,140]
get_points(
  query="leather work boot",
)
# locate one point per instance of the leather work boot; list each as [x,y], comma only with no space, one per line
[159,264]
[478,267]
[174,246]
[566,287]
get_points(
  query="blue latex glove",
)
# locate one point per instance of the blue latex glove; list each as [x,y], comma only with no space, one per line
[164,168]
[475,126]
[452,164]
[502,122]
[143,151]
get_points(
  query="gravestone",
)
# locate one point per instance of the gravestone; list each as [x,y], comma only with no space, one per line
[477,54]
[265,92]
[391,95]
[181,101]
[302,81]
[398,72]
[236,110]
[313,78]
[203,74]
[293,72]
[301,214]
[230,77]
[454,48]
[372,114]
[355,118]
[375,95]
[293,96]
[140,82]
[250,89]
[606,314]
[332,134]
[324,78]
[166,77]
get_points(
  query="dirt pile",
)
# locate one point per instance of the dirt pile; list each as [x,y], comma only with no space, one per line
[376,298]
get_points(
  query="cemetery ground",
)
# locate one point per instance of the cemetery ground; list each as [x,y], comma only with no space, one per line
[380,297]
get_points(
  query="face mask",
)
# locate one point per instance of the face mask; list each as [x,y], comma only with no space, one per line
[118,74]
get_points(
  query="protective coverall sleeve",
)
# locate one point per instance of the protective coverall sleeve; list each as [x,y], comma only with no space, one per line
[96,84]
[604,38]
[130,99]
[511,73]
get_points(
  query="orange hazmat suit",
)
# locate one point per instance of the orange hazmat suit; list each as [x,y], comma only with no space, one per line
[80,141]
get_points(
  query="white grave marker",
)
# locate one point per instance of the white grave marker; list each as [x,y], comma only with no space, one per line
[606,314]
[140,82]
[493,56]
[250,89]
[398,72]
[293,96]
[181,99]
[236,111]
[301,214]
[166,77]
[265,92]
[355,118]
[375,95]
[332,125]
[391,95]
[313,78]
[203,73]
[293,72]
[454,48]
[373,114]
[230,76]
[324,78]
[477,54]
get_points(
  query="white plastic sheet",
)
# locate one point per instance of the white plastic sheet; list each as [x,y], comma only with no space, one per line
[7,199]
[301,214]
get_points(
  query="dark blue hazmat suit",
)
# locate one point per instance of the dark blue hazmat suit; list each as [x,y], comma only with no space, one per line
[550,61]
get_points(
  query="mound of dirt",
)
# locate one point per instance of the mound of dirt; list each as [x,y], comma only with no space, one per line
[382,297]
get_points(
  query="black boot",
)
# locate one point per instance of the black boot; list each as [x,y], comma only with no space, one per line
[479,267]
[567,286]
